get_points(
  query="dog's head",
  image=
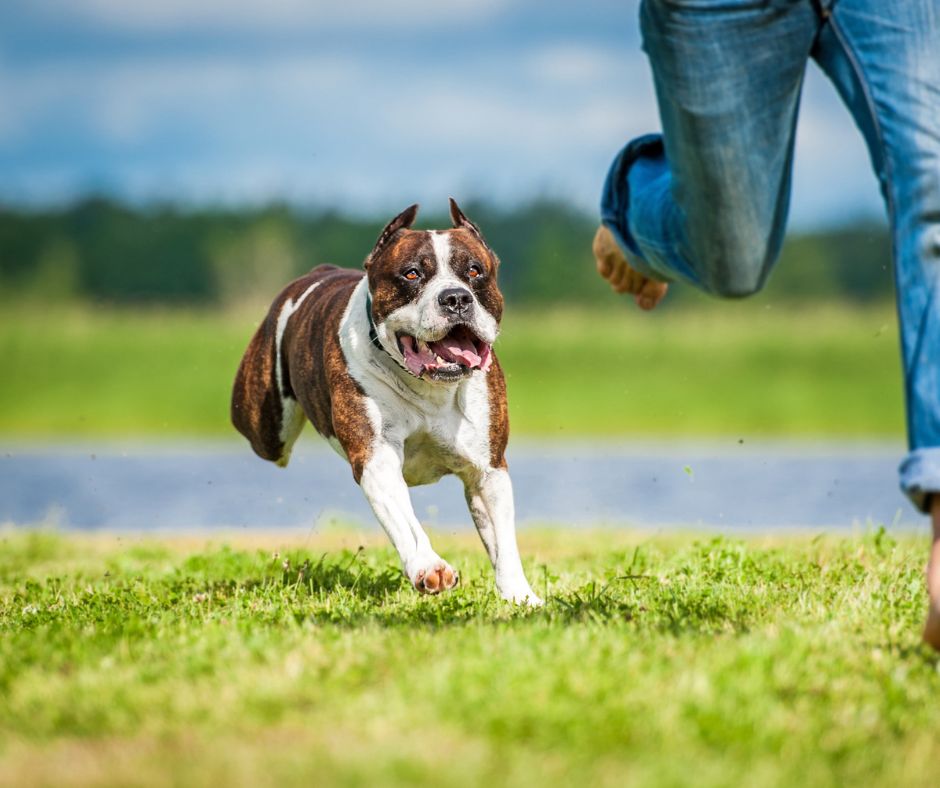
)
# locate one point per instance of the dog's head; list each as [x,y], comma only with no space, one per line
[436,306]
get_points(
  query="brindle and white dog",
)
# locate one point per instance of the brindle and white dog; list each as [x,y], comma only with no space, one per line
[395,369]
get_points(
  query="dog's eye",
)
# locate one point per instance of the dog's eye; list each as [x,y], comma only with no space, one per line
[411,274]
[474,271]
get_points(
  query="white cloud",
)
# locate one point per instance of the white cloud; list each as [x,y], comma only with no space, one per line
[125,102]
[162,16]
[361,128]
[578,64]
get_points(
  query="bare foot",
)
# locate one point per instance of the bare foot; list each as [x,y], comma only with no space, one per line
[612,265]
[932,627]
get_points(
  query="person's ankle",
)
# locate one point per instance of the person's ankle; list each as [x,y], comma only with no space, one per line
[931,634]
[933,564]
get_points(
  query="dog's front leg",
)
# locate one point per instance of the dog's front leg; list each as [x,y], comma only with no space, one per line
[387,493]
[489,497]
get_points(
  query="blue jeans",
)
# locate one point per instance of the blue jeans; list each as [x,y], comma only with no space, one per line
[706,202]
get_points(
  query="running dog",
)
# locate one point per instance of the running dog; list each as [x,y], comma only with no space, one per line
[395,367]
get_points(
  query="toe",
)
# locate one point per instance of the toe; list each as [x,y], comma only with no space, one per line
[418,581]
[611,270]
[448,577]
[622,279]
[432,582]
[650,294]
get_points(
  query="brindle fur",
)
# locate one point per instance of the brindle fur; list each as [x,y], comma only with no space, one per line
[499,415]
[315,372]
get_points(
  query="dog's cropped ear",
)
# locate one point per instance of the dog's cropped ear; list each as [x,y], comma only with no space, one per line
[403,221]
[460,220]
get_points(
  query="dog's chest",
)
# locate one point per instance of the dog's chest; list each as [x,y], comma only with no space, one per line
[426,460]
[440,441]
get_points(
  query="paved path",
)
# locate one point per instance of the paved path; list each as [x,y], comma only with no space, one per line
[724,485]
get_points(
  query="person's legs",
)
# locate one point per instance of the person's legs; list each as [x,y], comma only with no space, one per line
[707,201]
[884,59]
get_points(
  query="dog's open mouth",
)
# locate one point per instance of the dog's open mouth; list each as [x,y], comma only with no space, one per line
[451,357]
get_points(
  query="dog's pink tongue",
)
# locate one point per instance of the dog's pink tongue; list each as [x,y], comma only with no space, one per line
[416,359]
[456,348]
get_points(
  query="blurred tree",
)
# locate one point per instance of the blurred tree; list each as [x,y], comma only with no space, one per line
[99,249]
[251,261]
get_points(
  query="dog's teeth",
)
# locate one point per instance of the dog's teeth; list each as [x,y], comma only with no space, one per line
[440,360]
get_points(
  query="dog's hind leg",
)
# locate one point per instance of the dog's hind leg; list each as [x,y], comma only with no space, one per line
[489,497]
[292,422]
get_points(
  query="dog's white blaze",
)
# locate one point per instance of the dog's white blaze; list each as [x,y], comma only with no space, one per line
[291,416]
[445,275]
[440,242]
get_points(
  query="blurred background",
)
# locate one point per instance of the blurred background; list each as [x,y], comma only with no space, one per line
[166,167]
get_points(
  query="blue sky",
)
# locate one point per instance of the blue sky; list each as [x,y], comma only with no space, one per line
[361,105]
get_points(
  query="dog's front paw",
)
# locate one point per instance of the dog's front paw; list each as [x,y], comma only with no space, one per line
[432,576]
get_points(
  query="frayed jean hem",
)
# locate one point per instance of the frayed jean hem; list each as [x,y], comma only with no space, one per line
[920,476]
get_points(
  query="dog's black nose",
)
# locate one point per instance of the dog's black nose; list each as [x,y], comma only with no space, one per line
[455,300]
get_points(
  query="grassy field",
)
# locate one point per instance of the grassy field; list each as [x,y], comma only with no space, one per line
[657,661]
[740,370]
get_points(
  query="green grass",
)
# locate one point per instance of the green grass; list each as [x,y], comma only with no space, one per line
[732,369]
[657,661]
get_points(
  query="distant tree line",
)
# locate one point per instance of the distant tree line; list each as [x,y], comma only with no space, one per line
[104,251]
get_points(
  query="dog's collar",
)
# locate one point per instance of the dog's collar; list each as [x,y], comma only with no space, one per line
[373,334]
